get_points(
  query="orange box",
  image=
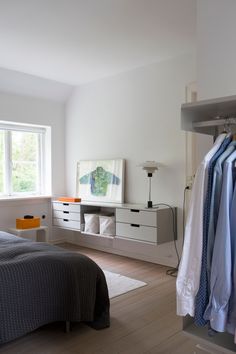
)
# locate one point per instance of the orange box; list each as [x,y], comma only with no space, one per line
[72,200]
[27,223]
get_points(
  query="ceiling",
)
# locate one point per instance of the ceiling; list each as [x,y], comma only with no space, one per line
[78,41]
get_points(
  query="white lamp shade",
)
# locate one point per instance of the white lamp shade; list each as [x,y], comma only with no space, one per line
[149,166]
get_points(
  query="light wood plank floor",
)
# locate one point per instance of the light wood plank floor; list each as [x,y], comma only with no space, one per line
[142,321]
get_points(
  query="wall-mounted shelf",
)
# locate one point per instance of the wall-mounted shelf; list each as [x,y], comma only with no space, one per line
[96,235]
[209,116]
[133,221]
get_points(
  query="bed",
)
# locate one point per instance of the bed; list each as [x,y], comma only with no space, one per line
[42,283]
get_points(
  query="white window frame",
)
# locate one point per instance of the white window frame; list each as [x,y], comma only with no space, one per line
[44,135]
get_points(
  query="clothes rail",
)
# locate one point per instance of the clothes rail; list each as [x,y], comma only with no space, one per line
[219,121]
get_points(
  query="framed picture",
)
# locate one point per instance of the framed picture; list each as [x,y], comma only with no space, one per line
[101,180]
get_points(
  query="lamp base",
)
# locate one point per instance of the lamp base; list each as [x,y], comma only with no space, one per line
[149,204]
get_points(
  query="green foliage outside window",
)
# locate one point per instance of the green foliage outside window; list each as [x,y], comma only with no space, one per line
[24,162]
[24,177]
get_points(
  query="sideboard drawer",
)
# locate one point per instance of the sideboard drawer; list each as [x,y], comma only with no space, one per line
[137,216]
[66,207]
[63,214]
[66,223]
[137,232]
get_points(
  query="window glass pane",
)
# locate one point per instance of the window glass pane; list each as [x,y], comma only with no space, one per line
[1,161]
[24,177]
[25,167]
[24,146]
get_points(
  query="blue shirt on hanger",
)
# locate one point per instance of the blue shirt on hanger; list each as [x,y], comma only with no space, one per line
[215,202]
[231,322]
[202,297]
[220,281]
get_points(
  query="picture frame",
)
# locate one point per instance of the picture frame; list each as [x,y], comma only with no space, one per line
[101,180]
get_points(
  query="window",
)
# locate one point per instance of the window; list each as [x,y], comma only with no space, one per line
[22,159]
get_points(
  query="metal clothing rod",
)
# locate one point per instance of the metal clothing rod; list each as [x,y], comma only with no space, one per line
[215,122]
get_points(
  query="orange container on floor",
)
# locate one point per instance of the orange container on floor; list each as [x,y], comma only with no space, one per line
[27,223]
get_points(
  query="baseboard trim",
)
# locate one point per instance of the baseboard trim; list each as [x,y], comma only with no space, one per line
[160,260]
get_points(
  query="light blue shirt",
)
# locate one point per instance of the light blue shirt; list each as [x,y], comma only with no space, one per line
[215,202]
[220,280]
[231,325]
[202,297]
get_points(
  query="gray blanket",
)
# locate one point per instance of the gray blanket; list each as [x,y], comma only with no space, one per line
[41,283]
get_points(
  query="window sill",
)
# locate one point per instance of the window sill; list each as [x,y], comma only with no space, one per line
[26,197]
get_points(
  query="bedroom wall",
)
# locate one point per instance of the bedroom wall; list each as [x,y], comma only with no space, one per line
[135,116]
[32,110]
[216,50]
[216,56]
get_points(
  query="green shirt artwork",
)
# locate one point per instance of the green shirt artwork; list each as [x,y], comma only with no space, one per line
[99,179]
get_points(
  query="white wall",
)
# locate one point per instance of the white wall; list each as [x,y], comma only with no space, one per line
[216,50]
[135,116]
[12,209]
[216,55]
[24,109]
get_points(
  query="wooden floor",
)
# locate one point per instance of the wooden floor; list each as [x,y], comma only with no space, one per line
[142,321]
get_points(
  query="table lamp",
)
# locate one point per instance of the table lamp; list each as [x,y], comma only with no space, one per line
[150,167]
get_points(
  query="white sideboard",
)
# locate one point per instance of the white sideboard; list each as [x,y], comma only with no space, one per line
[66,215]
[133,222]
[145,225]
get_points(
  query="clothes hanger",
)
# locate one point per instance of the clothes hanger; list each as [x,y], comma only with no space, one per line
[226,127]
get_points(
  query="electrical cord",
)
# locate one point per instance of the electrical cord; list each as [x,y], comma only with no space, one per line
[174,271]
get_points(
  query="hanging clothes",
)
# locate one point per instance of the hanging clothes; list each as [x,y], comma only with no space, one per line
[202,296]
[214,302]
[231,323]
[215,204]
[188,280]
[221,267]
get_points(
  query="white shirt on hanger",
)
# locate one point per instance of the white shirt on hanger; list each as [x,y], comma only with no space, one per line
[188,279]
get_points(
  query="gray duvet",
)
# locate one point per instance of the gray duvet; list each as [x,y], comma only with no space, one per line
[41,283]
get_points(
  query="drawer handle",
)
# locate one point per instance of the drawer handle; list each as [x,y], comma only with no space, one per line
[65,220]
[65,212]
[66,204]
[134,210]
[134,225]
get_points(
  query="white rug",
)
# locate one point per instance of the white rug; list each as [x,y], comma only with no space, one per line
[119,284]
